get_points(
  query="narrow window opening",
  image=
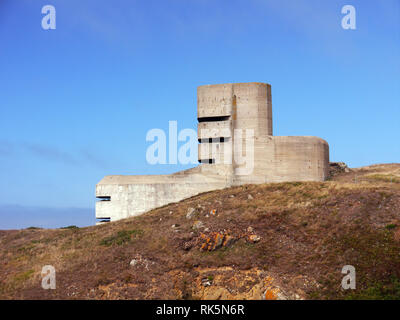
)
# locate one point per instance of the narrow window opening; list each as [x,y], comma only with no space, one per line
[207,161]
[104,198]
[211,140]
[213,119]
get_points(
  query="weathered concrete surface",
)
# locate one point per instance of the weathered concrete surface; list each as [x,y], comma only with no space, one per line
[134,195]
[223,110]
[279,159]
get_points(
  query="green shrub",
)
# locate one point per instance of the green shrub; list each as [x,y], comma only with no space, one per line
[388,290]
[23,276]
[121,237]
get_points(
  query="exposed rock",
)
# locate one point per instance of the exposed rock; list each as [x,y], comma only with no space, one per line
[187,245]
[190,213]
[253,238]
[206,282]
[218,240]
[198,225]
[215,240]
[229,284]
[229,240]
[336,168]
[139,261]
[134,262]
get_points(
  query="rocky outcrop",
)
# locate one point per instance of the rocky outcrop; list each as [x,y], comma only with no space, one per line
[336,168]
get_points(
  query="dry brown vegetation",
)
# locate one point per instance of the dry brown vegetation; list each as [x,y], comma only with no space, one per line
[308,231]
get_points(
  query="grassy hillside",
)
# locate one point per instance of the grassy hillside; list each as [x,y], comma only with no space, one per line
[274,241]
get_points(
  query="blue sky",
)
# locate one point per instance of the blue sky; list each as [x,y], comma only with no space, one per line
[76,102]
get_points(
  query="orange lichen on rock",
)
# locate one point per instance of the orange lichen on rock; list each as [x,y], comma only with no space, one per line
[271,292]
[270,295]
[215,240]
[253,238]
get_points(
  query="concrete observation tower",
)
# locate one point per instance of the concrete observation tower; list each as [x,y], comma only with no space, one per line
[236,146]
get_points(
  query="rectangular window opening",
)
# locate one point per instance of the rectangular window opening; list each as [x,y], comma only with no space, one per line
[213,119]
[207,161]
[104,198]
[211,140]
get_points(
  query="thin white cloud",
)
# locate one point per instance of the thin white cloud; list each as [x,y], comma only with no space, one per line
[52,153]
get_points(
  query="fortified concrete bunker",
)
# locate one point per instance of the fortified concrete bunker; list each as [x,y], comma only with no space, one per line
[226,113]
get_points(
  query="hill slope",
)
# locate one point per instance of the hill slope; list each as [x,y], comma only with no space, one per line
[274,241]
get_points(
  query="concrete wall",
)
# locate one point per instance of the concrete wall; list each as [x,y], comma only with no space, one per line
[133,195]
[279,159]
[222,110]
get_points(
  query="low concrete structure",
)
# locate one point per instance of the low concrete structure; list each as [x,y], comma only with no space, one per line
[235,124]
